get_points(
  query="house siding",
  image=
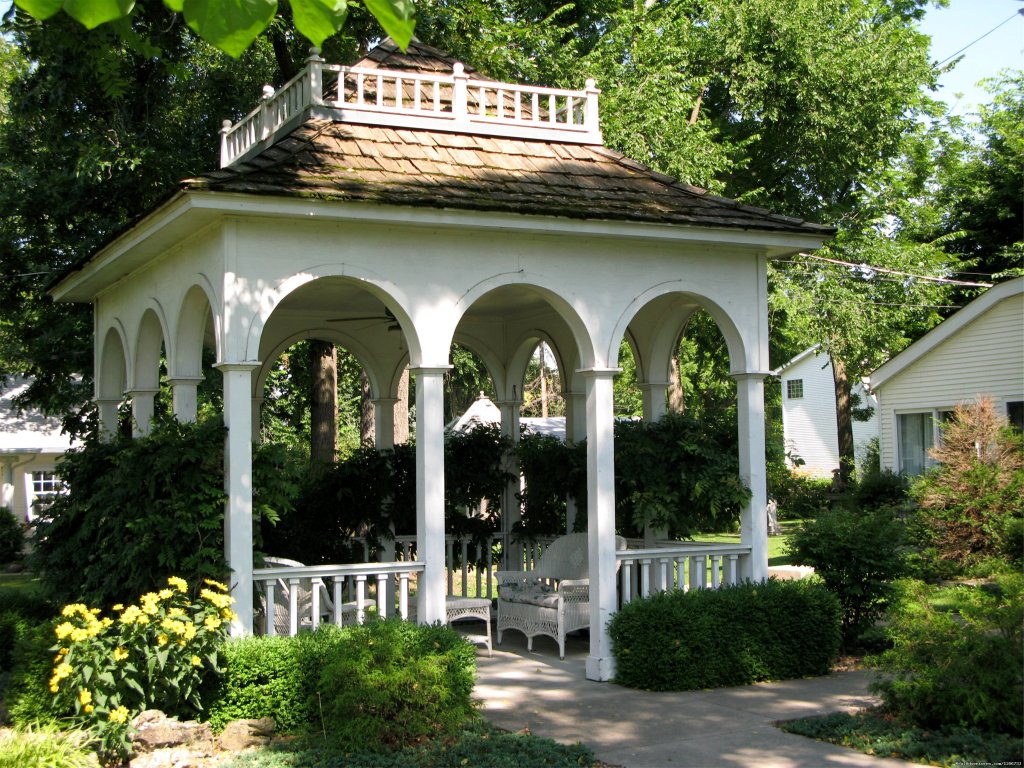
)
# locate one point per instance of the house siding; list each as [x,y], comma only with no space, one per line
[986,357]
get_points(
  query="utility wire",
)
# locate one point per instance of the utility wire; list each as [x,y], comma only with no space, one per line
[943,280]
[997,26]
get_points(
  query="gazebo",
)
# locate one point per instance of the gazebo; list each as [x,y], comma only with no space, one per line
[408,203]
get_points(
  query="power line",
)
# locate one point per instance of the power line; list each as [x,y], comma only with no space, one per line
[997,26]
[884,270]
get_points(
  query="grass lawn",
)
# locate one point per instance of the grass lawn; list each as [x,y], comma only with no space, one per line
[17,581]
[778,546]
[873,733]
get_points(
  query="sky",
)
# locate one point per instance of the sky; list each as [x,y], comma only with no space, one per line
[963,22]
[951,29]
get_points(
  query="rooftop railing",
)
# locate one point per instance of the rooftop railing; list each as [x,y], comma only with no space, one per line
[414,100]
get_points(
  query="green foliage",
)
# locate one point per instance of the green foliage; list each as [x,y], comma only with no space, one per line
[478,744]
[275,677]
[12,536]
[882,488]
[553,472]
[382,683]
[857,555]
[26,694]
[233,26]
[799,496]
[957,656]
[678,473]
[46,745]
[394,683]
[137,511]
[972,503]
[675,641]
[875,734]
[154,655]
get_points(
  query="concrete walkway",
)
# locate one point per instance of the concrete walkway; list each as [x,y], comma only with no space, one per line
[636,729]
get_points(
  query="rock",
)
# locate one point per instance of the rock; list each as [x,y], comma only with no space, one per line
[154,730]
[177,757]
[242,734]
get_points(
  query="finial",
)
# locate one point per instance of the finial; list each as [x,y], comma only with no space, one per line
[458,69]
[314,54]
[225,126]
[268,91]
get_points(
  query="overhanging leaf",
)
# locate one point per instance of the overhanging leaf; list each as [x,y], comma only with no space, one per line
[92,13]
[230,25]
[40,10]
[319,19]
[175,5]
[397,17]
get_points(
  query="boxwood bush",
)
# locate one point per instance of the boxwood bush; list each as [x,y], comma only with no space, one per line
[679,641]
[386,683]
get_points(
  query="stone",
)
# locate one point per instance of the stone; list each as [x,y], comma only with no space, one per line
[242,734]
[177,757]
[154,730]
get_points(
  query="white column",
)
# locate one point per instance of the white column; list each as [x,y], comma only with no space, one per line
[238,523]
[185,397]
[753,518]
[601,519]
[511,513]
[383,439]
[108,408]
[575,430]
[430,491]
[142,410]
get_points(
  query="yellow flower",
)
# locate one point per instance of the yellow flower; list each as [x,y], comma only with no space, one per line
[216,584]
[212,622]
[62,670]
[120,654]
[78,635]
[88,708]
[216,599]
[54,687]
[227,614]
[196,661]
[178,583]
[165,594]
[84,696]
[143,619]
[64,629]
[119,606]
[118,715]
[161,639]
[71,610]
[130,615]
[190,632]
[176,612]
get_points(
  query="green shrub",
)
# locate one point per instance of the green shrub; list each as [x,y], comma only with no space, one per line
[857,555]
[957,656]
[799,497]
[273,677]
[46,745]
[394,683]
[677,641]
[383,683]
[26,695]
[880,489]
[12,536]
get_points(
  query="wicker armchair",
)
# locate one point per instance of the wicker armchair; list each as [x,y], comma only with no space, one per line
[554,598]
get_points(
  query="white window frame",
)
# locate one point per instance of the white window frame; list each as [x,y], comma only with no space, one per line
[936,420]
[42,485]
[790,386]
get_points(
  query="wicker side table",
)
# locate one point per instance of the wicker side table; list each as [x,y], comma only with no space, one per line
[458,608]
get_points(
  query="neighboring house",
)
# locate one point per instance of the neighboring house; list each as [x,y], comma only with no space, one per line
[30,444]
[809,414]
[977,351]
[484,412]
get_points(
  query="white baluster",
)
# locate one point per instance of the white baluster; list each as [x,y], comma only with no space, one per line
[398,93]
[382,594]
[360,596]
[380,90]
[360,89]
[535,100]
[645,577]
[315,599]
[417,85]
[403,594]
[663,583]
[501,104]
[337,587]
[437,96]
[627,581]
[731,569]
[715,577]
[293,607]
[465,567]
[449,564]
[268,587]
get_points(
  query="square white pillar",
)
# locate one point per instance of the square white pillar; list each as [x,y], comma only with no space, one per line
[238,522]
[142,411]
[601,518]
[430,492]
[754,516]
[185,397]
[108,413]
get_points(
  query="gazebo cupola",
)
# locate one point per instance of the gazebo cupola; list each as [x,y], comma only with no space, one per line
[407,203]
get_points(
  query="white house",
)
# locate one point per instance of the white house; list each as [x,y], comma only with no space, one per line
[977,351]
[809,414]
[410,191]
[30,444]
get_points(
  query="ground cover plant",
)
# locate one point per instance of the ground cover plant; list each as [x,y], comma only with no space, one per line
[46,745]
[774,630]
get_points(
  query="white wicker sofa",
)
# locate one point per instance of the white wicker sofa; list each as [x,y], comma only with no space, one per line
[554,598]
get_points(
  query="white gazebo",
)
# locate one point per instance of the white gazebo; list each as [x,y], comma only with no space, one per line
[407,203]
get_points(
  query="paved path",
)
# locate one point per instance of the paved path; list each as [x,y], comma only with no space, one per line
[701,729]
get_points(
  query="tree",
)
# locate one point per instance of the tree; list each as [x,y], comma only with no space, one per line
[232,26]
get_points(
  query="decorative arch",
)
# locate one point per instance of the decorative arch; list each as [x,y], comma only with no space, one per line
[492,364]
[148,340]
[112,373]
[340,338]
[185,359]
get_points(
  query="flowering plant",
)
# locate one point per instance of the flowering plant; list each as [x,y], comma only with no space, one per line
[153,655]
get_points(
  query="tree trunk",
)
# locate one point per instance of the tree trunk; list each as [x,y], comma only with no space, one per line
[323,402]
[367,418]
[402,409]
[844,422]
[676,402]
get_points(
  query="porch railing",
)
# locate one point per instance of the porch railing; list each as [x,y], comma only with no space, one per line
[415,100]
[354,589]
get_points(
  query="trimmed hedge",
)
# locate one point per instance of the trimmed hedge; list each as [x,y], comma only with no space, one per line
[680,641]
[386,683]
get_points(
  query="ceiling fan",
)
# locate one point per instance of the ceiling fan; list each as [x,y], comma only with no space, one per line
[388,315]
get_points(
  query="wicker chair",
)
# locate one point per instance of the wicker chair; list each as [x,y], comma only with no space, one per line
[554,598]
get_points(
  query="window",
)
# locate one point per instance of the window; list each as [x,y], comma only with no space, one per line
[45,485]
[916,434]
[1015,413]
[795,389]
